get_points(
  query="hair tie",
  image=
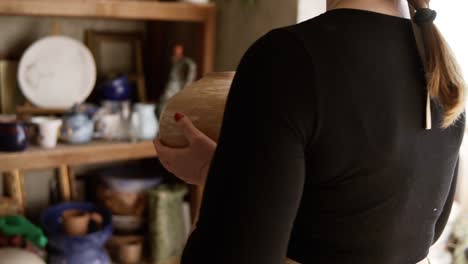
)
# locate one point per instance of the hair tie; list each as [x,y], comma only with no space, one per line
[424,16]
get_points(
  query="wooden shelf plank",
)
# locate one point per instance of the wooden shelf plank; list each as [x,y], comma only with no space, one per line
[113,9]
[95,152]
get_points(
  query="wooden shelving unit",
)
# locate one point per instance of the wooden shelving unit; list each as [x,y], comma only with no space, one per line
[36,158]
[63,157]
[115,9]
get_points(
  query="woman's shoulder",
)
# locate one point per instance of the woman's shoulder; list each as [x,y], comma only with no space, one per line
[288,38]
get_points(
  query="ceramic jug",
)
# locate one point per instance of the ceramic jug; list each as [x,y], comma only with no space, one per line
[144,121]
[183,72]
[13,136]
[166,224]
[203,102]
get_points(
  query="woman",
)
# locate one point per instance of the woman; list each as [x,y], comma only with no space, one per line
[330,151]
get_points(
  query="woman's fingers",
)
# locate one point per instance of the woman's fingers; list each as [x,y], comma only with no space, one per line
[188,128]
[170,156]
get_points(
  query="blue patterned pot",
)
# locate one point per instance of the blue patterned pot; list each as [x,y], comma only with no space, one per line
[66,249]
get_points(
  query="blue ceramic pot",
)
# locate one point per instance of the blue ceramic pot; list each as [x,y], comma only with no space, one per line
[76,249]
[13,136]
[118,89]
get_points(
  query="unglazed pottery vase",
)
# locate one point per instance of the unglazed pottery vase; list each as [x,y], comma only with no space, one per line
[203,102]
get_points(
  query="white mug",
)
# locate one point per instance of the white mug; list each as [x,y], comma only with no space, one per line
[48,130]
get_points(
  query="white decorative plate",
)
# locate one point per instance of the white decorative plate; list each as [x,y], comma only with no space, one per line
[57,72]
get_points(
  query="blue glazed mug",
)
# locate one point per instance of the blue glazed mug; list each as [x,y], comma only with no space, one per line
[13,135]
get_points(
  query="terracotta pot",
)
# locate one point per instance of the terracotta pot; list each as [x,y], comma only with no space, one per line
[203,102]
[76,222]
[126,249]
[131,252]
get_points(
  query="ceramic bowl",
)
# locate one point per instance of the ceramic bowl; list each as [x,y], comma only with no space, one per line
[13,134]
[131,184]
[118,203]
[19,256]
[127,223]
[117,89]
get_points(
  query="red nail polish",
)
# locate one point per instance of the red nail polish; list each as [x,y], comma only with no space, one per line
[178,116]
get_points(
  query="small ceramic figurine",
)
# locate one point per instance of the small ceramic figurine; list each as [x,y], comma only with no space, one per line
[183,72]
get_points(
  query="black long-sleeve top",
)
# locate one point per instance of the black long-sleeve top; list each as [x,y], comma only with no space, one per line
[323,156]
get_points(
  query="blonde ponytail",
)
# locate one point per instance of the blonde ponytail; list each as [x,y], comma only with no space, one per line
[444,77]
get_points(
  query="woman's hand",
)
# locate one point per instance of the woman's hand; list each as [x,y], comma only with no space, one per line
[190,164]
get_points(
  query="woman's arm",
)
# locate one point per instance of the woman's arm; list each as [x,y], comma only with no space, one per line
[255,183]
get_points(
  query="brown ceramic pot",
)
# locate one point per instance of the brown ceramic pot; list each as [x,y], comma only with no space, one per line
[203,102]
[75,222]
[130,252]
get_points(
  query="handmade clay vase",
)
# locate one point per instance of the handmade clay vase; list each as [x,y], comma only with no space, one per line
[203,102]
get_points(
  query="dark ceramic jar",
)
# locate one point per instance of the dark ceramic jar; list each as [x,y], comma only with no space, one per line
[13,135]
[117,89]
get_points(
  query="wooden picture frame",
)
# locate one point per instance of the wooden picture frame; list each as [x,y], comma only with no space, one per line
[95,40]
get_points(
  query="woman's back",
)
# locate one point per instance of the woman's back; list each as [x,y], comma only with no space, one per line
[377,182]
[323,150]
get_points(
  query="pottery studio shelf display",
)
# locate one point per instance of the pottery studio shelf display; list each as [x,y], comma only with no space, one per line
[64,157]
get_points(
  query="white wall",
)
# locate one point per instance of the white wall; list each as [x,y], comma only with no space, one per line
[310,8]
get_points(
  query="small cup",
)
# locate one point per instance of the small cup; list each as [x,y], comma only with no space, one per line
[48,131]
[75,222]
[131,251]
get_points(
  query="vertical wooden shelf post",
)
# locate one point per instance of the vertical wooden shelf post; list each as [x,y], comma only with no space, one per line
[14,187]
[209,43]
[65,180]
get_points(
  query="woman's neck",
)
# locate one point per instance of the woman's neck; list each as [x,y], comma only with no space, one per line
[397,8]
